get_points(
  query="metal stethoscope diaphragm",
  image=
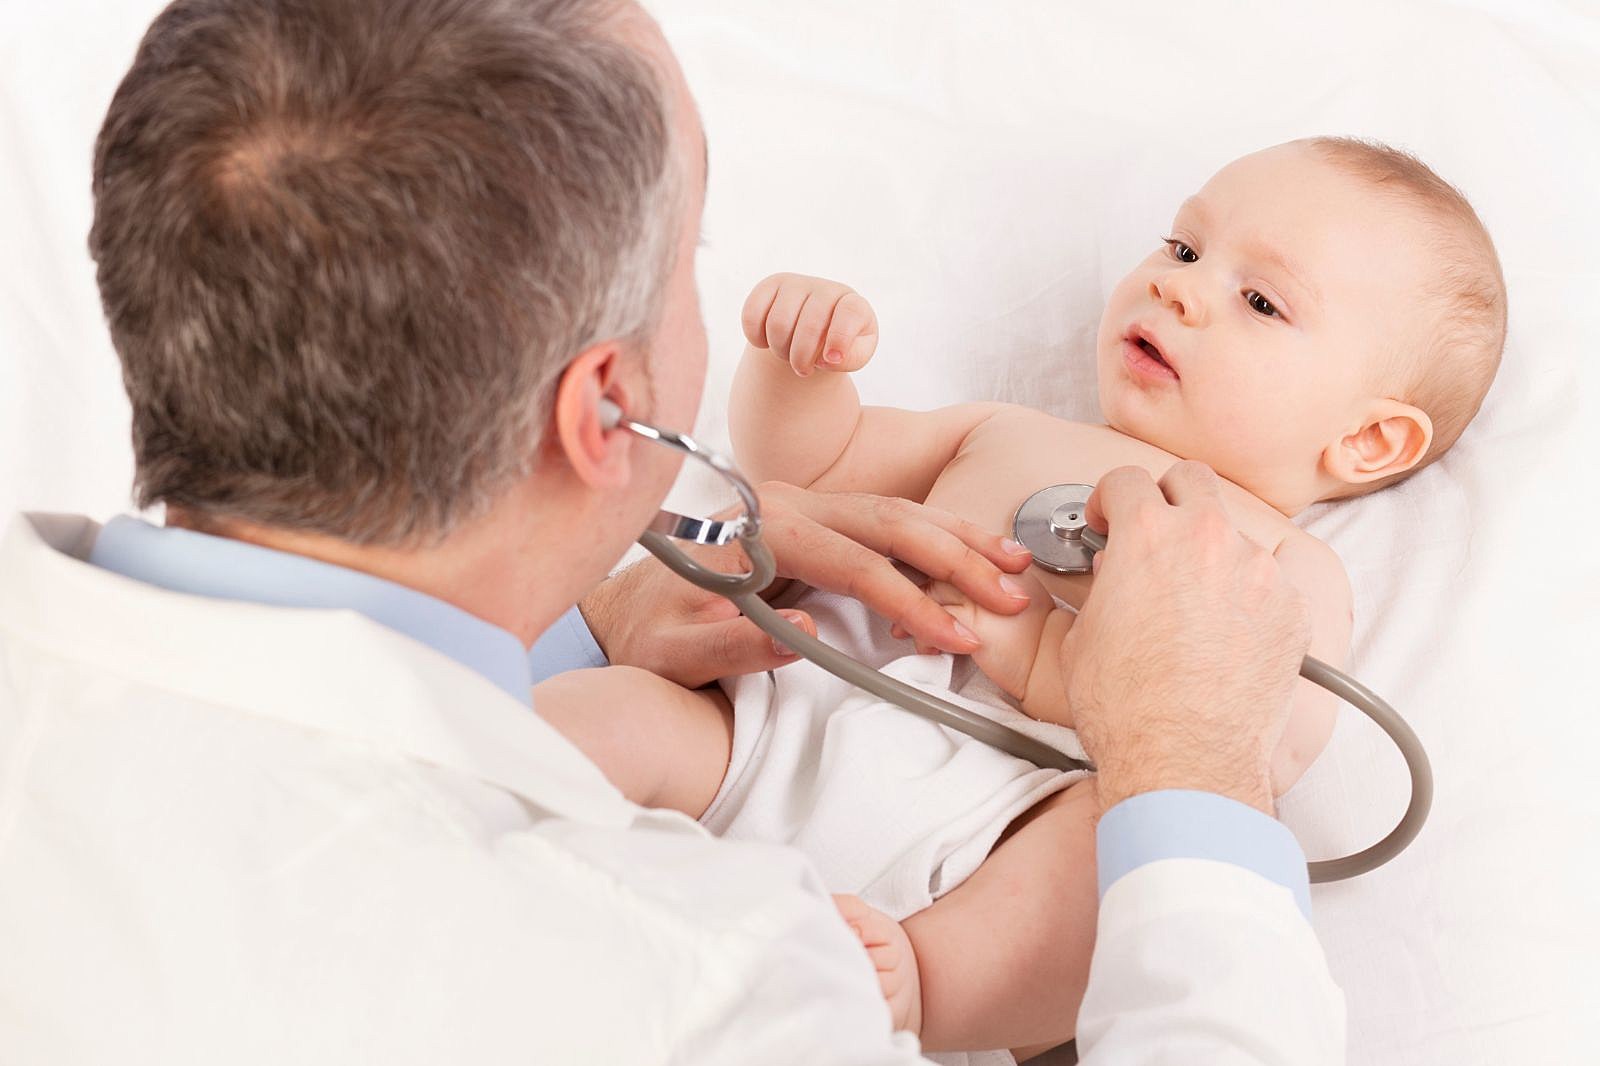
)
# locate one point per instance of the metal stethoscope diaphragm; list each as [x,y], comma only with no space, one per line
[1053,524]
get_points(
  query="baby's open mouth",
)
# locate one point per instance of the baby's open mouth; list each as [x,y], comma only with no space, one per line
[1152,351]
[1144,351]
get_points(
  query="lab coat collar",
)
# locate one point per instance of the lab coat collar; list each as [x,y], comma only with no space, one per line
[184,560]
[329,670]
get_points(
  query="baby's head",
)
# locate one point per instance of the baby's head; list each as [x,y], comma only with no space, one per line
[1324,320]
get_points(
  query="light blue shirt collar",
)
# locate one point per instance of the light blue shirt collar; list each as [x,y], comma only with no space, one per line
[199,564]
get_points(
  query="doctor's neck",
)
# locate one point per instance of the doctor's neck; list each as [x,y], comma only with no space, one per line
[490,567]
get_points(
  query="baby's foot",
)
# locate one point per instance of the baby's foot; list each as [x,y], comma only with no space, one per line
[892,956]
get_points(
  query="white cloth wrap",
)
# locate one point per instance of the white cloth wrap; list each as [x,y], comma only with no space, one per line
[887,805]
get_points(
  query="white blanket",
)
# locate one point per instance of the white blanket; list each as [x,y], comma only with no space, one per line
[888,806]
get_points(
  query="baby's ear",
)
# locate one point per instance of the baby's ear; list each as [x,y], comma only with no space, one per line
[1392,438]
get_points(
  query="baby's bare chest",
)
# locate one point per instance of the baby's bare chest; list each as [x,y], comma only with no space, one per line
[1017,453]
[1014,455]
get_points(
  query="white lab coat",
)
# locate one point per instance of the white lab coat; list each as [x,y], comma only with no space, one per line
[244,834]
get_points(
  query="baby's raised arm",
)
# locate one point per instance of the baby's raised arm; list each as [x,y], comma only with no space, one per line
[795,414]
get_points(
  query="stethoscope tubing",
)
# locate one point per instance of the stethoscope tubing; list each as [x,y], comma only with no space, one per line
[744,590]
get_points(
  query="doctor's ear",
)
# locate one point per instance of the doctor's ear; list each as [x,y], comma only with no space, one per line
[1392,438]
[597,454]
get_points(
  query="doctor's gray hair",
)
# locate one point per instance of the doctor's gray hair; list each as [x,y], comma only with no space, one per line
[346,248]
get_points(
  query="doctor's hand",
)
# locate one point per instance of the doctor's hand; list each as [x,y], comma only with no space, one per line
[647,616]
[1181,663]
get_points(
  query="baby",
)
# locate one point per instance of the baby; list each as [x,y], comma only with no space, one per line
[1323,320]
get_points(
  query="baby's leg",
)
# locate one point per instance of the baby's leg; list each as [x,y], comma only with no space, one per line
[1003,959]
[661,744]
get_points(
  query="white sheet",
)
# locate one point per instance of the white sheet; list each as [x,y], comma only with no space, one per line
[888,806]
[985,173]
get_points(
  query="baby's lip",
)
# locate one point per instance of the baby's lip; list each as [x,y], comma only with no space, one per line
[1145,337]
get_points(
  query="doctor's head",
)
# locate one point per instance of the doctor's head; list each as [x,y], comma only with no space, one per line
[369,264]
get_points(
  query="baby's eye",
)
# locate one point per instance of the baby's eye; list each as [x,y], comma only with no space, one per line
[1180,251]
[1260,304]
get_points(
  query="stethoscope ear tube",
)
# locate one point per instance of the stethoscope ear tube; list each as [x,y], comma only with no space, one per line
[1012,742]
[1054,524]
[744,589]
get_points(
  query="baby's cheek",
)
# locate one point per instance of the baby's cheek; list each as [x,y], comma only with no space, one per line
[1241,441]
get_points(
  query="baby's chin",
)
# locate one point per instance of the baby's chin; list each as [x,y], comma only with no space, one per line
[1148,426]
[1125,417]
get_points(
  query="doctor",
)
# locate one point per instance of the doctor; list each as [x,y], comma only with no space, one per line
[271,789]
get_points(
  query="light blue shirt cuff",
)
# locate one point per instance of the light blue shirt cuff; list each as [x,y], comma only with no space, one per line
[567,645]
[1181,824]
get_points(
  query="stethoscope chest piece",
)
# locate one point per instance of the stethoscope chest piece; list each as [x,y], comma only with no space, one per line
[1050,523]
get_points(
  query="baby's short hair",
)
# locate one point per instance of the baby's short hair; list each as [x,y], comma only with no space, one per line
[1450,373]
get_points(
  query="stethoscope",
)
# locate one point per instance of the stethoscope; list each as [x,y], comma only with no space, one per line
[1052,523]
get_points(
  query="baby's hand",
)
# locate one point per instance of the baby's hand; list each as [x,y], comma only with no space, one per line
[811,322]
[1010,642]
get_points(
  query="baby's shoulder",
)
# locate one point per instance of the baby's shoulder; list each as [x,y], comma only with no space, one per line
[1313,566]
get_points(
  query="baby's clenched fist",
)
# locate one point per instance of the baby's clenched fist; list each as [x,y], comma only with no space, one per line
[810,323]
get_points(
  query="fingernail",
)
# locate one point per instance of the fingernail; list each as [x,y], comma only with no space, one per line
[793,618]
[966,634]
[1011,547]
[833,357]
[1011,588]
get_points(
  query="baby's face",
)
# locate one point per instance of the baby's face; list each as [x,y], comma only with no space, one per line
[1253,339]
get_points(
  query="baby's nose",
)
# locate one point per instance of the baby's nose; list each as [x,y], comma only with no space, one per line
[1171,290]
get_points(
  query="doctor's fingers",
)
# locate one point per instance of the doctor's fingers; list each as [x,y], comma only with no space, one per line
[831,558]
[739,646]
[845,557]
[697,653]
[941,545]
[1125,502]
[1191,482]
